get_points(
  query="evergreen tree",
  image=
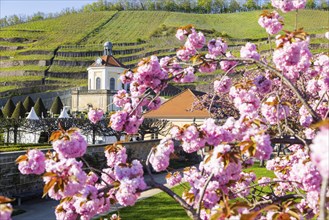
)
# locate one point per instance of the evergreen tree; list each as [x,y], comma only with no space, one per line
[40,108]
[57,106]
[19,111]
[8,109]
[28,103]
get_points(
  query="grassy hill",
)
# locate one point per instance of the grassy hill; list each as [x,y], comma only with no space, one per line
[63,47]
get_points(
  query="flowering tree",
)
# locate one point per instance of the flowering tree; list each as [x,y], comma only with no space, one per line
[278,99]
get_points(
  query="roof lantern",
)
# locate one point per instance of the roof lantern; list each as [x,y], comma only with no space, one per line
[108,49]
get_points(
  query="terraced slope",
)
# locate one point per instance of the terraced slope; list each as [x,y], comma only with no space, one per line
[51,51]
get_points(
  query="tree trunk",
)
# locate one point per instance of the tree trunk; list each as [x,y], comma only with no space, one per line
[8,136]
[94,136]
[262,163]
[15,135]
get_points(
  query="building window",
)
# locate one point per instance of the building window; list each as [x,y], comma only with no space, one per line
[112,84]
[98,83]
[89,85]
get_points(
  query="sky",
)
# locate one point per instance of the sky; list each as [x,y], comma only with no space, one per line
[29,7]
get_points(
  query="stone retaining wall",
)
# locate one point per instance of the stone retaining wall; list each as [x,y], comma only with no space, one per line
[10,63]
[22,73]
[13,183]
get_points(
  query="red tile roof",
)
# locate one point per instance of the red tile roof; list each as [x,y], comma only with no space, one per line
[179,107]
[108,60]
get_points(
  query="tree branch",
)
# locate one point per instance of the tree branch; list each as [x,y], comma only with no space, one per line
[189,209]
[285,79]
[203,191]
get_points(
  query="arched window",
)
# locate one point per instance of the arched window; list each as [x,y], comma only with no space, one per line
[98,83]
[112,84]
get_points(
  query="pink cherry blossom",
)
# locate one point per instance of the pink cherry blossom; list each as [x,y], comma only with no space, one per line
[264,181]
[34,164]
[217,47]
[263,147]
[173,178]
[121,98]
[320,152]
[126,77]
[95,115]
[180,34]
[249,51]
[274,112]
[227,66]
[160,157]
[223,85]
[288,5]
[115,154]
[292,58]
[197,40]
[75,146]
[271,22]
[5,211]
[118,120]
[186,53]
[247,103]
[263,84]
[72,175]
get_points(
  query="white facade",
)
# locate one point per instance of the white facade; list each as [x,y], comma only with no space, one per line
[104,78]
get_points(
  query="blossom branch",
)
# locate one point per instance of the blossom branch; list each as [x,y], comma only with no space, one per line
[264,183]
[189,209]
[202,193]
[285,79]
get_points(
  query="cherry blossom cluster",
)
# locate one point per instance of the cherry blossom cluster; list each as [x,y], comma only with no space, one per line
[223,85]
[296,170]
[191,137]
[173,178]
[288,5]
[246,101]
[292,57]
[83,195]
[320,151]
[271,21]
[318,77]
[149,76]
[194,41]
[73,146]
[160,157]
[249,51]
[131,182]
[273,111]
[6,210]
[115,154]
[32,163]
[95,115]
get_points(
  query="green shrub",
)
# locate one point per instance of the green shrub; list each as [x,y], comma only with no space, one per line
[19,111]
[8,109]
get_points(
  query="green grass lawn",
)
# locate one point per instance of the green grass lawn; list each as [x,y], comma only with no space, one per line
[162,206]
[158,207]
